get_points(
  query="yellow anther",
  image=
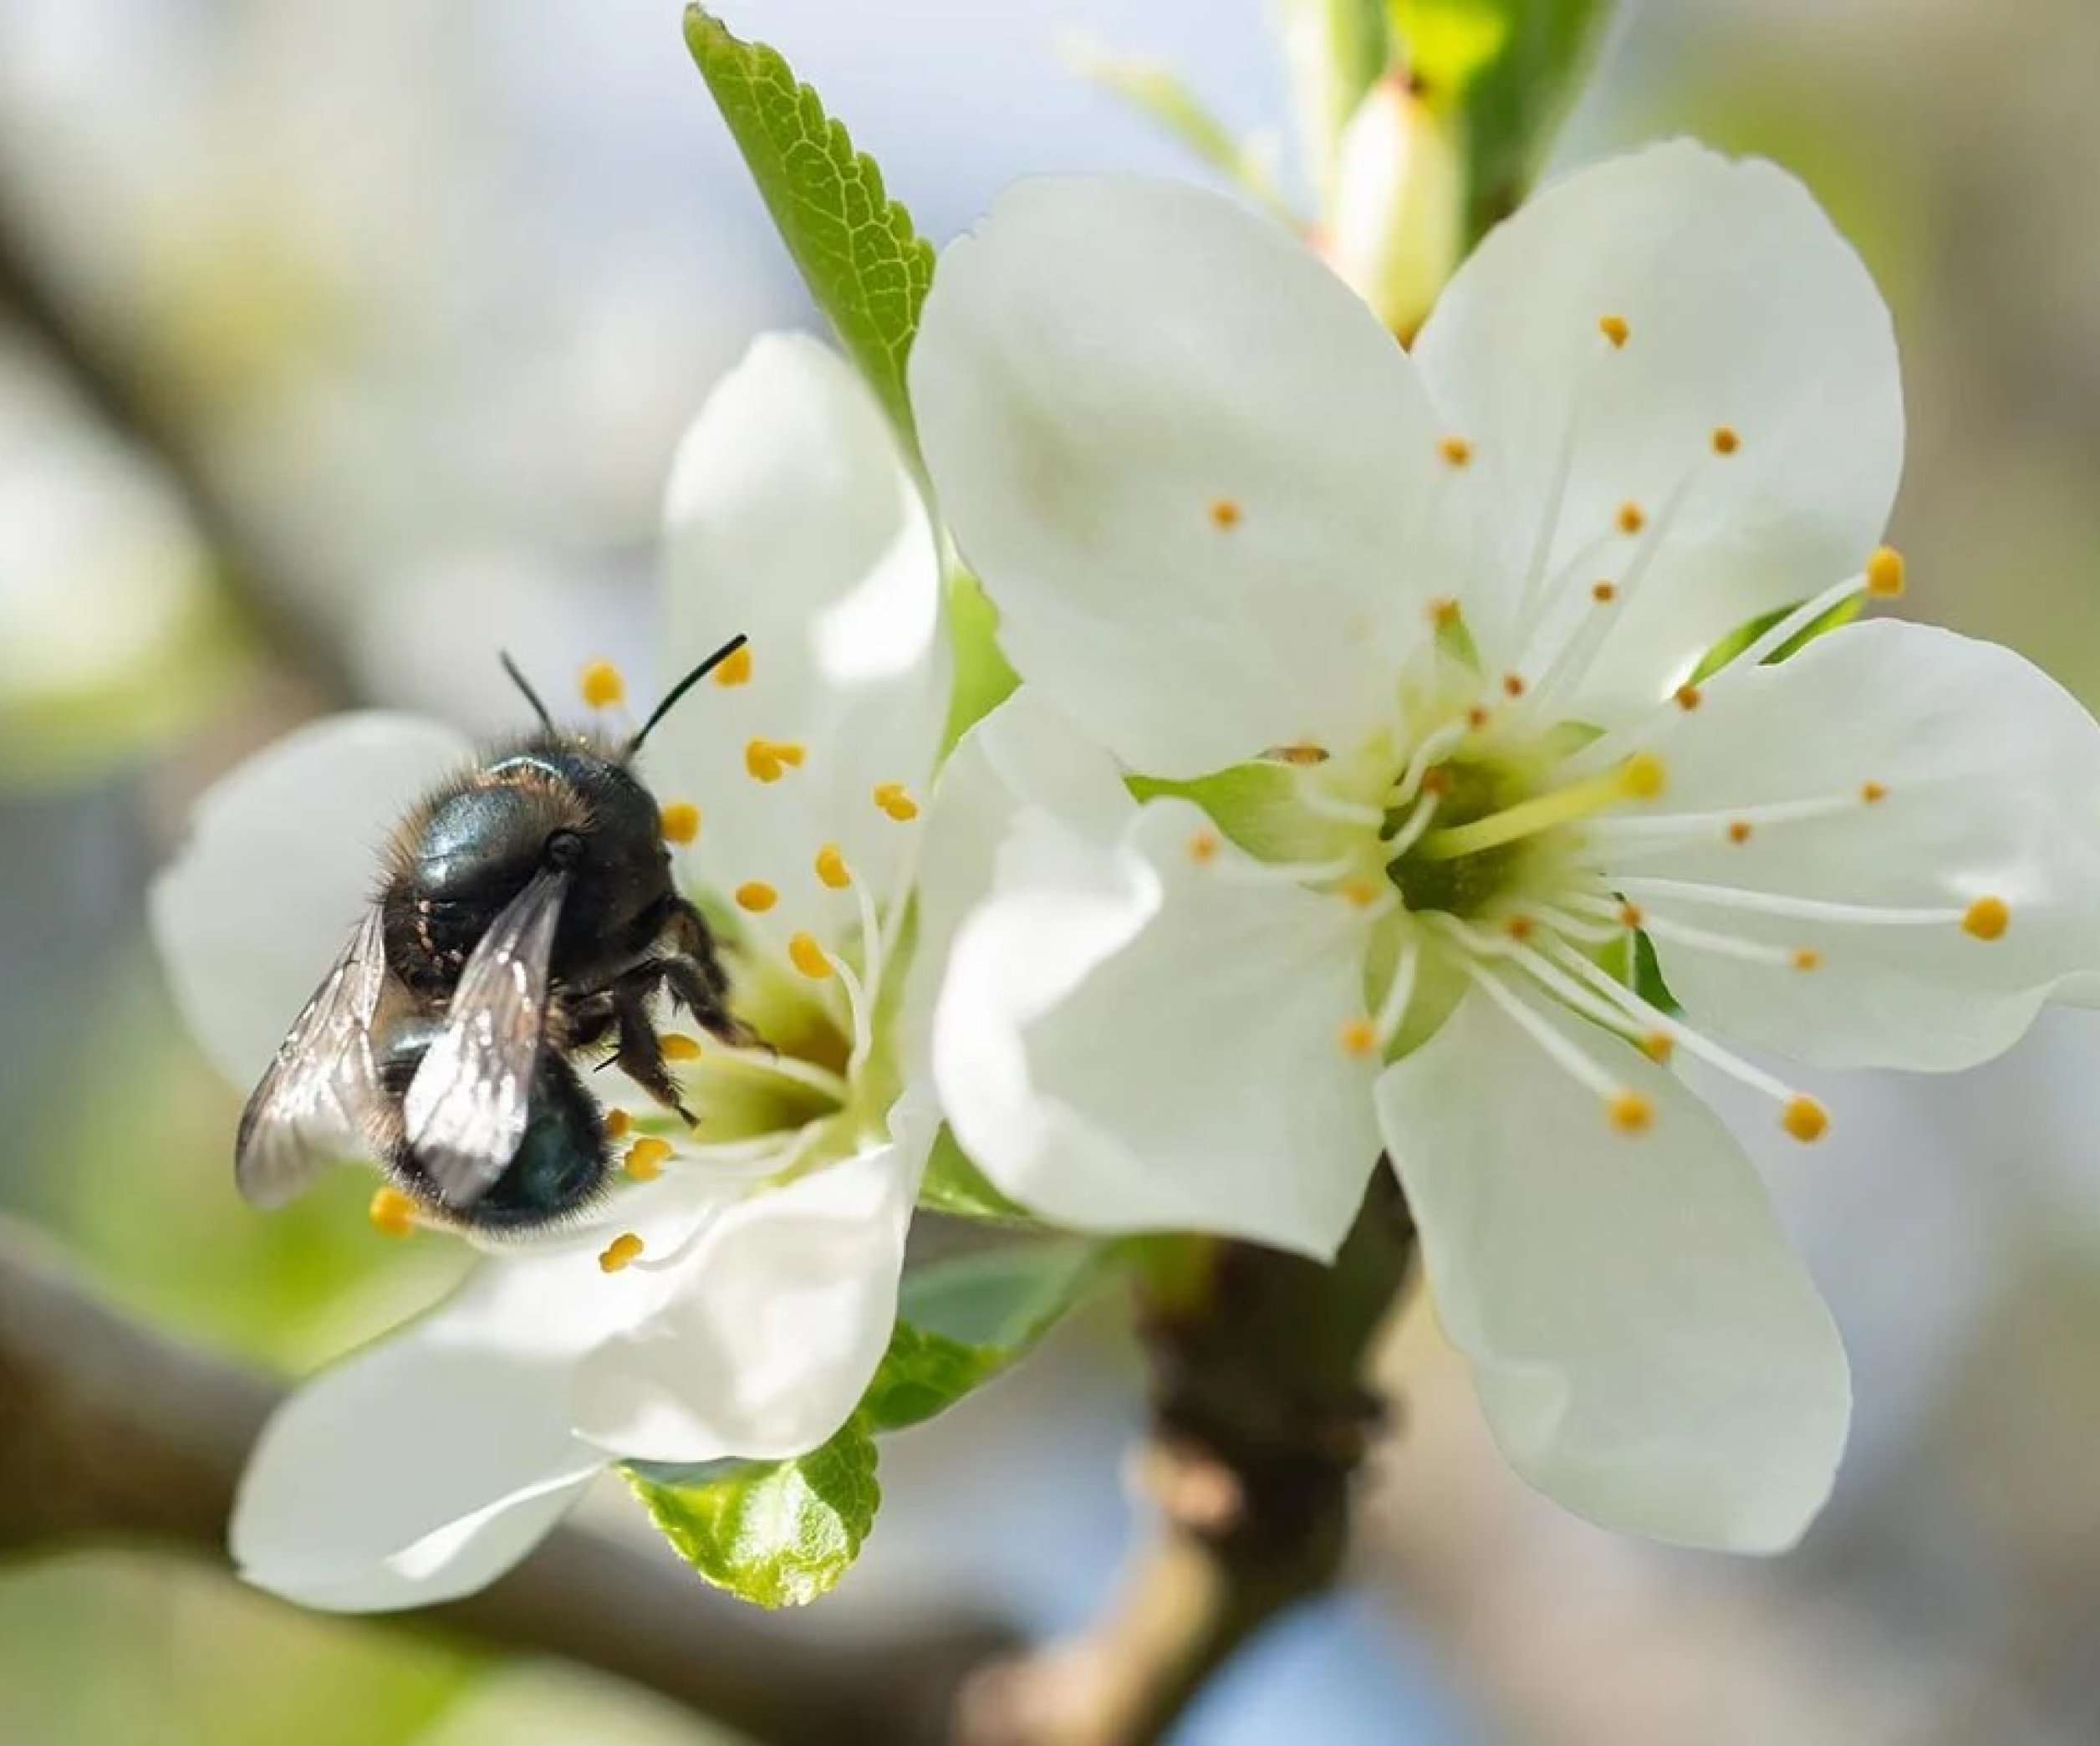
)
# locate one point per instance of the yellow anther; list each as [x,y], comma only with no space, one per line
[894,799]
[1359,1037]
[1806,957]
[1304,754]
[1725,441]
[806,956]
[1630,915]
[616,1124]
[1476,717]
[1873,793]
[677,1046]
[1632,518]
[601,685]
[1690,696]
[1513,685]
[769,760]
[1642,776]
[1603,593]
[1361,892]
[1615,329]
[1225,512]
[832,869]
[1885,572]
[735,669]
[1987,918]
[646,1158]
[1519,927]
[1630,1113]
[623,1251]
[756,897]
[1203,848]
[1657,1047]
[1805,1119]
[1739,830]
[680,821]
[392,1213]
[1456,450]
[1444,612]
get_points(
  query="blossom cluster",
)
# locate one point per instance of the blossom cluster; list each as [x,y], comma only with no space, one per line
[1432,758]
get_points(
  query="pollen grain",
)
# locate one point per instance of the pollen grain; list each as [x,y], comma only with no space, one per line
[1885,572]
[734,669]
[1225,512]
[646,1159]
[756,897]
[1805,1119]
[1456,450]
[622,1252]
[1725,441]
[895,800]
[806,956]
[392,1213]
[832,870]
[677,1046]
[1615,329]
[680,821]
[1359,1037]
[1630,1113]
[601,685]
[1632,518]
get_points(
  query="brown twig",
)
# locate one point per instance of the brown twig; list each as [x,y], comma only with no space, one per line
[109,1431]
[1259,1419]
[121,389]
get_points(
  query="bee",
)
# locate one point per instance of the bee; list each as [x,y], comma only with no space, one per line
[526,913]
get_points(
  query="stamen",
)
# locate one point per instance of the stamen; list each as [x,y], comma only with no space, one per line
[1648,827]
[1203,847]
[1795,909]
[1415,779]
[1412,829]
[1986,919]
[1615,329]
[646,1159]
[1626,1110]
[1455,450]
[1443,613]
[1359,1037]
[616,1124]
[392,1213]
[1631,518]
[677,1046]
[895,800]
[769,760]
[832,870]
[735,668]
[1225,514]
[1739,830]
[680,821]
[1873,793]
[1750,952]
[806,956]
[820,1079]
[1603,593]
[1513,685]
[1399,993]
[1885,573]
[1317,800]
[860,1009]
[1725,441]
[756,897]
[1242,870]
[1688,697]
[601,685]
[621,1252]
[1806,1120]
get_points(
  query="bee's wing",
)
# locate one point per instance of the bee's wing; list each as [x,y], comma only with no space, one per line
[310,1106]
[466,1108]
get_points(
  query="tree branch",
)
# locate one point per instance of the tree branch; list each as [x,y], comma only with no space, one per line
[110,1432]
[123,392]
[1259,1419]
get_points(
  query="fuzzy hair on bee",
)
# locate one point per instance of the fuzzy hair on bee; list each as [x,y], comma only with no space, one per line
[526,913]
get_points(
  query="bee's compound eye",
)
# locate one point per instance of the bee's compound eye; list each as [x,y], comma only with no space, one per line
[563,849]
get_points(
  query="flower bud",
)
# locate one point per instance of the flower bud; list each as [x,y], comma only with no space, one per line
[1396,222]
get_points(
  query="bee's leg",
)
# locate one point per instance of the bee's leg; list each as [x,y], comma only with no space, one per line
[695,942]
[641,1050]
[694,989]
[579,1022]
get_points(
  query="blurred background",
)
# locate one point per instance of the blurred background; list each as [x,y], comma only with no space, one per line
[337,341]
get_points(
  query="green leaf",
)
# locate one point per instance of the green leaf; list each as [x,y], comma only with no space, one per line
[1337,50]
[1743,635]
[1511,68]
[960,1323]
[864,263]
[778,1533]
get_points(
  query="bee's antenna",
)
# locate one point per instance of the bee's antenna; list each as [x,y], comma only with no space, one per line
[525,685]
[685,685]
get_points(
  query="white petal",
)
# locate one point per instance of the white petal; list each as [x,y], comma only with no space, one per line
[781,1310]
[1992,779]
[1022,762]
[279,867]
[1101,365]
[1744,309]
[1648,1350]
[427,1464]
[1130,1040]
[790,516]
